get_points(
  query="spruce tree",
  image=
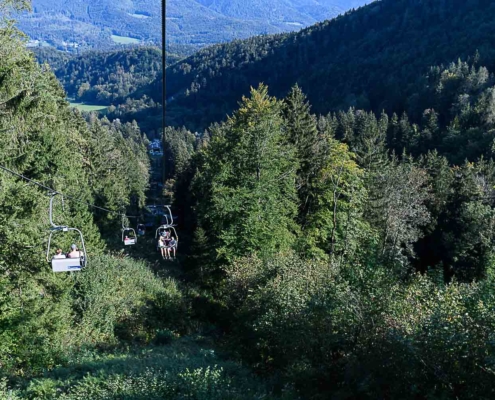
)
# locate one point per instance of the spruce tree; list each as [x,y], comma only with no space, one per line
[302,132]
[248,196]
[334,221]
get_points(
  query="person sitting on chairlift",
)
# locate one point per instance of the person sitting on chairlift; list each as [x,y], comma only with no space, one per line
[59,254]
[74,253]
[162,247]
[166,241]
[172,245]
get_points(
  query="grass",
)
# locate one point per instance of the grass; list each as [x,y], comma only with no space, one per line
[88,107]
[124,40]
[185,368]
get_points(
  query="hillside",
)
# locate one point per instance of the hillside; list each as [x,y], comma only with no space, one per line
[348,255]
[107,77]
[87,24]
[119,327]
[371,59]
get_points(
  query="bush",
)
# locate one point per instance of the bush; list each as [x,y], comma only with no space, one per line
[183,370]
[359,334]
[50,318]
[122,298]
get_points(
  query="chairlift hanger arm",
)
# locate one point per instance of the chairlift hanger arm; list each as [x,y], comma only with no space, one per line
[54,226]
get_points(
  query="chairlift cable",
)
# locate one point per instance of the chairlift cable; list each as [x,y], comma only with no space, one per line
[60,193]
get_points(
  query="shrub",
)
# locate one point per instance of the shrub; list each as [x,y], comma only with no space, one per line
[48,318]
[362,333]
[182,370]
[116,298]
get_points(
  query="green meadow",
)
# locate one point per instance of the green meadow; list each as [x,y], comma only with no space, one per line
[124,40]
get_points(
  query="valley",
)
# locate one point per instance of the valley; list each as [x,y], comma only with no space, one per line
[331,196]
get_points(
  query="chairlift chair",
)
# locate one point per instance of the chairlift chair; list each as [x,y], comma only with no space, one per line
[64,264]
[169,225]
[129,236]
[141,229]
[162,229]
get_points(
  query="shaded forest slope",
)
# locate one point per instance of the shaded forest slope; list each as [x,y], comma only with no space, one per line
[105,77]
[371,58]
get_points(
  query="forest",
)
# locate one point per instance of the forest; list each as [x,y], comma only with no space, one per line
[85,24]
[374,58]
[350,254]
[328,250]
[123,80]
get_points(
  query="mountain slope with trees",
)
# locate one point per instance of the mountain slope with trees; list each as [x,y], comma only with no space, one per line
[109,77]
[350,255]
[345,254]
[372,274]
[115,79]
[371,58]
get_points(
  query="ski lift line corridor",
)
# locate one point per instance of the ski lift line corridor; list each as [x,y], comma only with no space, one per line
[68,264]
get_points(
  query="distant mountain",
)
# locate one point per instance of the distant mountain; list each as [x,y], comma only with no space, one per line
[71,24]
[274,12]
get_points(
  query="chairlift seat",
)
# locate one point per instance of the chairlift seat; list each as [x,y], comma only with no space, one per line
[66,264]
[129,236]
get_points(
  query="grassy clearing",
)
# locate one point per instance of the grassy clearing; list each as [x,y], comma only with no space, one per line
[125,40]
[88,107]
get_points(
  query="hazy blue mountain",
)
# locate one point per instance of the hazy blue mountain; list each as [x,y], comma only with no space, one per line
[70,24]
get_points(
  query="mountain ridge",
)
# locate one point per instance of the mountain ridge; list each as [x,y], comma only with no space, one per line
[81,24]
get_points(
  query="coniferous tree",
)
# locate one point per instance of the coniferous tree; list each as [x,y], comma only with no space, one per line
[465,229]
[302,132]
[248,201]
[334,221]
